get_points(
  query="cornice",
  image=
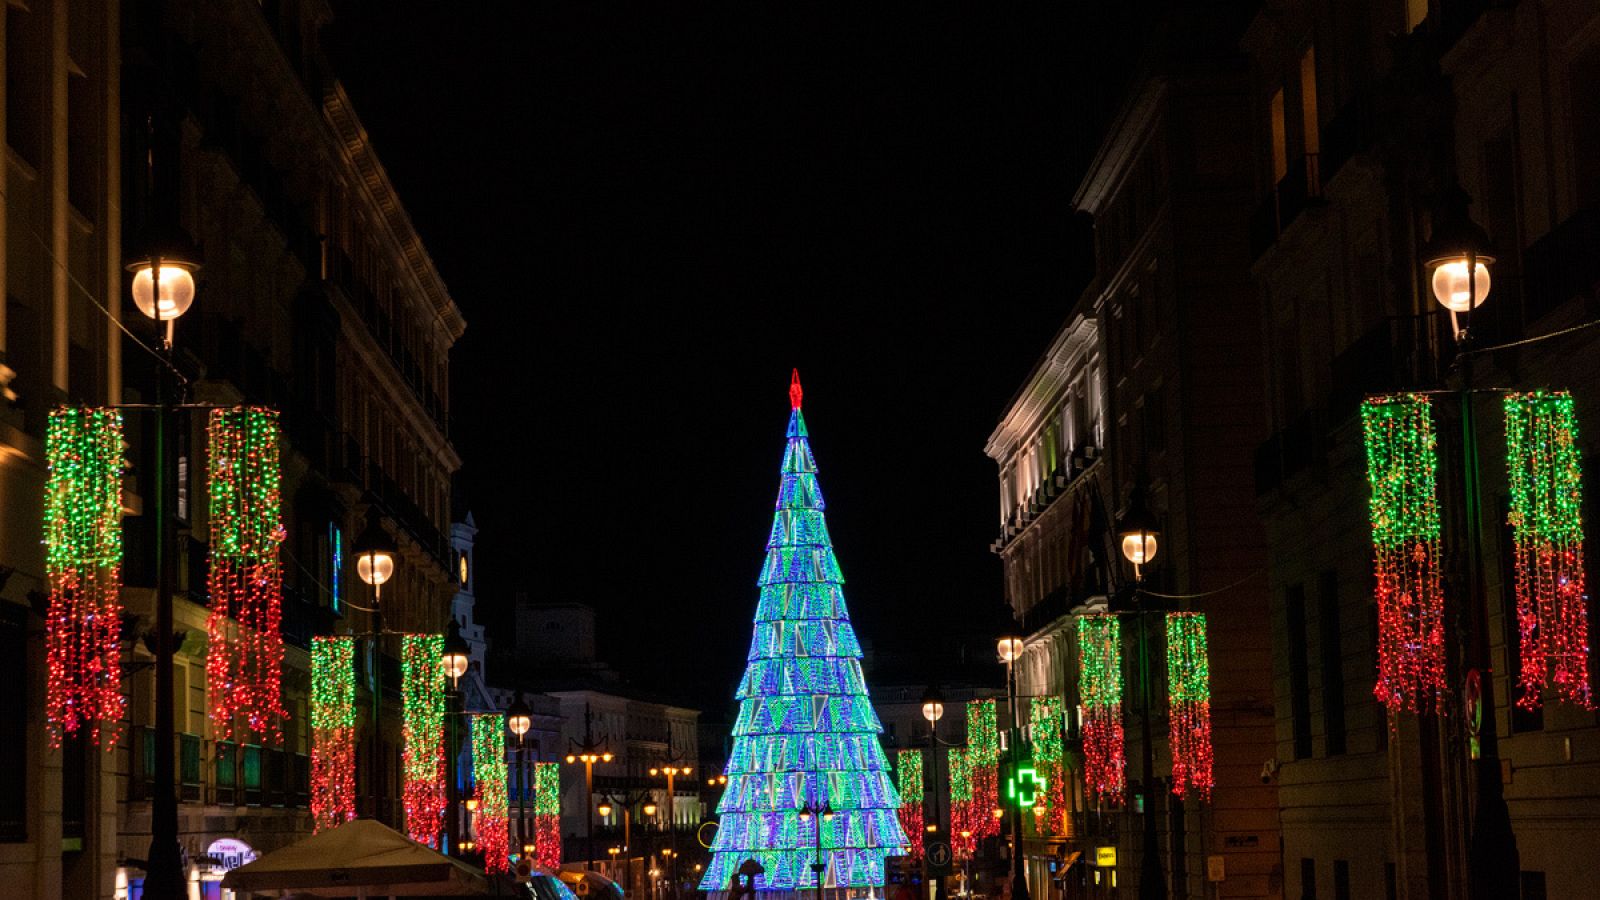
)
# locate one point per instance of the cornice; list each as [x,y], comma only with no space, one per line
[357,146]
[1120,147]
[1050,374]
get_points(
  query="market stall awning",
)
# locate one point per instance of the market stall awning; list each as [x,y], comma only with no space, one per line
[363,858]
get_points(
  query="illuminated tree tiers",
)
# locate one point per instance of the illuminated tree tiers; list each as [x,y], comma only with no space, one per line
[1402,468]
[83,568]
[806,734]
[1543,463]
[244,649]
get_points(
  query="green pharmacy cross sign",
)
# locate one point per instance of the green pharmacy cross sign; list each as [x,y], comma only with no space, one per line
[1025,787]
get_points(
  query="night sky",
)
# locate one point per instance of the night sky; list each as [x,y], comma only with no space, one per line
[649,214]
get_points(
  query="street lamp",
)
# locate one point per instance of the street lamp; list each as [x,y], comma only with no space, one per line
[825,813]
[375,554]
[1458,252]
[933,711]
[519,718]
[1010,650]
[672,769]
[589,752]
[1139,531]
[163,289]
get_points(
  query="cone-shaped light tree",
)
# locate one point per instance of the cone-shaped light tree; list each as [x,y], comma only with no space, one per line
[805,745]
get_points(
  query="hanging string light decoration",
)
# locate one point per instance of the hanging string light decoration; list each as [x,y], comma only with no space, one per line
[1189,705]
[1546,502]
[1100,688]
[1402,467]
[83,567]
[422,698]
[961,806]
[1050,759]
[983,766]
[547,814]
[489,772]
[333,731]
[244,650]
[908,780]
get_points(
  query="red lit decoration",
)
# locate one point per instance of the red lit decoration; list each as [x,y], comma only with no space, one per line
[794,389]
[333,731]
[83,567]
[1100,688]
[547,814]
[1402,465]
[908,781]
[422,703]
[1189,704]
[244,657]
[1546,512]
[489,771]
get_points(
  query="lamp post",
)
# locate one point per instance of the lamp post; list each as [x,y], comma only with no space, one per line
[375,555]
[519,718]
[1139,535]
[672,769]
[822,814]
[933,711]
[589,752]
[457,657]
[1458,254]
[163,289]
[1010,650]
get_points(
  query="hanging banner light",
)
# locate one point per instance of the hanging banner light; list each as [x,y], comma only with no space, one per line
[422,698]
[244,650]
[489,773]
[547,814]
[1100,687]
[1542,459]
[1402,466]
[83,567]
[908,781]
[1189,705]
[333,731]
[1049,758]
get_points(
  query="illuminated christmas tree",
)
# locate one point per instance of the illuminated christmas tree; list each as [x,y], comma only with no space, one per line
[805,752]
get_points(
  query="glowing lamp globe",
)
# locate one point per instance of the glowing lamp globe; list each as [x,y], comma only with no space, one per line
[604,809]
[1139,535]
[932,705]
[519,718]
[375,553]
[1010,649]
[1452,288]
[457,655]
[165,293]
[649,809]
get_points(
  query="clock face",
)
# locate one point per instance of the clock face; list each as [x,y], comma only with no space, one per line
[463,567]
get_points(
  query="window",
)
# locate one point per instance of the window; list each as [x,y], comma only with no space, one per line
[336,574]
[1416,11]
[227,773]
[1308,102]
[252,775]
[1280,145]
[1341,879]
[1308,879]
[1299,686]
[1533,887]
[1332,651]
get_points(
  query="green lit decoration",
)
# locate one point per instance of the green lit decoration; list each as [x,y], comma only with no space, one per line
[1402,467]
[980,772]
[244,646]
[1050,758]
[908,780]
[492,824]
[547,814]
[333,731]
[1546,477]
[1189,705]
[1100,689]
[83,569]
[422,698]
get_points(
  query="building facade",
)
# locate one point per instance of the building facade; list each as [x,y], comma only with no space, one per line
[1365,115]
[316,298]
[1166,344]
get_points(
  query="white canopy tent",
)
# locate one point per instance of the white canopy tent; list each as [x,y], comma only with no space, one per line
[363,859]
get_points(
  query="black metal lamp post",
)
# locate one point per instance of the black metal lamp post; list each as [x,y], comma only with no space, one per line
[672,768]
[1458,254]
[375,557]
[589,752]
[1010,650]
[457,657]
[519,718]
[1139,534]
[933,711]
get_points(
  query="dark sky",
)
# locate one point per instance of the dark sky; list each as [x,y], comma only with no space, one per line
[650,213]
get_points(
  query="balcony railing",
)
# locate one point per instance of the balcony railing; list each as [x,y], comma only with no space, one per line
[1299,188]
